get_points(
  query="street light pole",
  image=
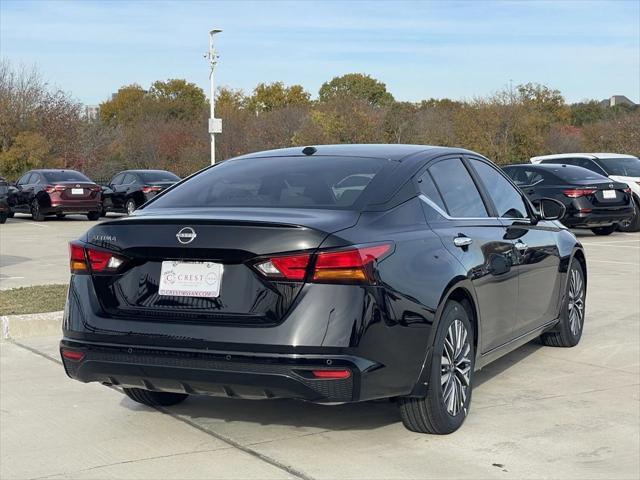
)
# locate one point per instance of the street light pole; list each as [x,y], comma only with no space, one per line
[215,124]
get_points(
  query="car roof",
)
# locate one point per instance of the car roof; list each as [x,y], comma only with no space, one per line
[45,170]
[397,152]
[559,156]
[548,166]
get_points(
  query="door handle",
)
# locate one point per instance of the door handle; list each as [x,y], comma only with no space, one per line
[462,241]
[521,246]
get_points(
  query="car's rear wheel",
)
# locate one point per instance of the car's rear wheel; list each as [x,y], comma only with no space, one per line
[446,404]
[634,224]
[130,206]
[153,399]
[569,331]
[604,230]
[10,214]
[93,216]
[3,218]
[36,212]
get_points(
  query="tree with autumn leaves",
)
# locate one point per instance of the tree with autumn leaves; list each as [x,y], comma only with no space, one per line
[164,125]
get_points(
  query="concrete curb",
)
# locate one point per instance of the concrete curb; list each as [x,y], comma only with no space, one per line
[33,325]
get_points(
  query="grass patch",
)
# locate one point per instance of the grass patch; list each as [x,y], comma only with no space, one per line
[38,299]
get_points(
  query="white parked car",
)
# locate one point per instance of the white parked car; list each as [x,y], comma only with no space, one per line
[616,166]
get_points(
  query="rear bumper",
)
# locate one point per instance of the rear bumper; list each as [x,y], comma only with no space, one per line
[73,208]
[598,218]
[216,373]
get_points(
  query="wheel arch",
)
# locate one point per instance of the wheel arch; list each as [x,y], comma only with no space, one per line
[461,290]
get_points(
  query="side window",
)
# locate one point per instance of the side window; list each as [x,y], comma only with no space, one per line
[35,179]
[506,198]
[128,179]
[429,190]
[589,165]
[25,179]
[459,193]
[117,180]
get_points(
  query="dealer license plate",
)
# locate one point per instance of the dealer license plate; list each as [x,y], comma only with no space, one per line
[190,279]
[608,194]
[77,191]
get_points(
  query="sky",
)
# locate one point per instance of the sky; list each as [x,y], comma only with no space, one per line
[423,49]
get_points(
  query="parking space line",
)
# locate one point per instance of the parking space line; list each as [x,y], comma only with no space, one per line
[613,261]
[610,245]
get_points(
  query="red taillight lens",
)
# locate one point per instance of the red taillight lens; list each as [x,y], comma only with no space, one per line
[353,265]
[627,190]
[578,192]
[289,267]
[77,260]
[331,374]
[85,260]
[348,266]
[147,189]
[73,355]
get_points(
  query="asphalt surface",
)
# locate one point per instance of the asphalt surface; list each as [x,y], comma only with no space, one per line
[539,412]
[37,253]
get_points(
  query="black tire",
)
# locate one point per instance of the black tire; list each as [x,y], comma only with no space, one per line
[154,399]
[60,215]
[36,212]
[3,218]
[634,224]
[566,333]
[103,212]
[93,216]
[130,206]
[430,414]
[10,214]
[604,230]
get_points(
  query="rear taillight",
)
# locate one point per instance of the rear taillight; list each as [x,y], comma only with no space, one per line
[578,192]
[353,265]
[52,188]
[84,259]
[348,266]
[149,189]
[73,355]
[331,374]
[627,190]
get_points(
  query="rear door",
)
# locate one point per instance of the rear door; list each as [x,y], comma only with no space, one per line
[536,258]
[25,192]
[465,222]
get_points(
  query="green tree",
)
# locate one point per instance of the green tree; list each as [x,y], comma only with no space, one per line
[357,86]
[29,150]
[125,106]
[178,98]
[587,112]
[268,97]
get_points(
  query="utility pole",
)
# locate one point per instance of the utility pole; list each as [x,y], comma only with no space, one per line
[215,124]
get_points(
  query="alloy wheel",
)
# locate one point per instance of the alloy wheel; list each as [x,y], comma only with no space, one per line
[576,301]
[131,207]
[455,373]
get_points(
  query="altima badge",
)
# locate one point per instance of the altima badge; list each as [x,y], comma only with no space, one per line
[186,235]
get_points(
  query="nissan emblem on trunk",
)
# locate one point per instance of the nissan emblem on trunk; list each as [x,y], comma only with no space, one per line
[186,235]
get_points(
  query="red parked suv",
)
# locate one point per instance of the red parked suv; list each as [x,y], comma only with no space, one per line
[56,192]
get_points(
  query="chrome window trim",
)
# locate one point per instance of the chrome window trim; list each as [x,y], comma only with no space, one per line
[444,214]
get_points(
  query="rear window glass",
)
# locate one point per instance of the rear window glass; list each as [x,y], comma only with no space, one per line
[64,176]
[570,174]
[624,167]
[458,190]
[293,182]
[158,176]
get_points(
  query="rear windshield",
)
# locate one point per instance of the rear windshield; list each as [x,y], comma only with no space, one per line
[569,174]
[64,176]
[625,167]
[293,182]
[158,176]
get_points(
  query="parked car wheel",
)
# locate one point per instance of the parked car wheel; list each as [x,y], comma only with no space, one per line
[446,405]
[3,218]
[60,215]
[634,224]
[604,230]
[153,399]
[569,330]
[36,212]
[103,212]
[93,216]
[10,214]
[130,206]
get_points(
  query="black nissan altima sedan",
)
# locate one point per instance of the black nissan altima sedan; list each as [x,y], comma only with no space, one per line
[262,277]
[591,200]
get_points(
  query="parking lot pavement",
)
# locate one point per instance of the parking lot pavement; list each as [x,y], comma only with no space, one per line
[37,253]
[539,412]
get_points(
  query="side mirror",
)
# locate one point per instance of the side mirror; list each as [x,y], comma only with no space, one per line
[550,209]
